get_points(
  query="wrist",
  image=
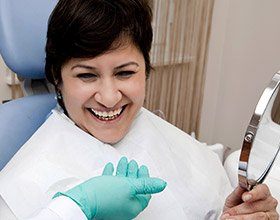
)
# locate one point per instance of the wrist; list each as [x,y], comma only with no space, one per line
[81,200]
[66,208]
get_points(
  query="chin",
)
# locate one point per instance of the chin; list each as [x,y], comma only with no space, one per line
[110,140]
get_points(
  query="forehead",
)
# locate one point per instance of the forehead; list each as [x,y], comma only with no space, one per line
[112,57]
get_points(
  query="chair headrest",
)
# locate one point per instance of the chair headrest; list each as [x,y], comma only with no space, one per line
[23,29]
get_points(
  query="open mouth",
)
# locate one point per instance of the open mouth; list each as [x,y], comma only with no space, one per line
[107,116]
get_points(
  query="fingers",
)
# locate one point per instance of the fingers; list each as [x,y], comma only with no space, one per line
[132,169]
[234,199]
[138,177]
[144,200]
[255,204]
[259,192]
[273,215]
[149,185]
[253,207]
[143,172]
[122,167]
[143,184]
[108,169]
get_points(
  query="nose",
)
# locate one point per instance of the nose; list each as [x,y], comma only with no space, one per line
[108,94]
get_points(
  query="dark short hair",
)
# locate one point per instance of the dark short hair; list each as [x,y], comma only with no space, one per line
[88,28]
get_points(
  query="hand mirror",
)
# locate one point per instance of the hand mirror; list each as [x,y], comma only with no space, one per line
[262,138]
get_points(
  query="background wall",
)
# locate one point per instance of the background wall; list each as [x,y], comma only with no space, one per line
[244,53]
[5,90]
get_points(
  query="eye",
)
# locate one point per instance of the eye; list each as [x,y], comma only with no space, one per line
[125,74]
[87,76]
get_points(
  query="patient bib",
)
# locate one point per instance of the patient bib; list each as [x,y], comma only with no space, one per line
[60,155]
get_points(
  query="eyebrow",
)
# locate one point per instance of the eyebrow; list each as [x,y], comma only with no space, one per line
[126,64]
[94,68]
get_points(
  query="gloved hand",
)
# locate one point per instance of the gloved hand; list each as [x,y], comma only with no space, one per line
[122,196]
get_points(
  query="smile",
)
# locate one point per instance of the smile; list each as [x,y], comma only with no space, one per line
[107,116]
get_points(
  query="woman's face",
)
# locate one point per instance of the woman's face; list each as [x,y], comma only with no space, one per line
[103,94]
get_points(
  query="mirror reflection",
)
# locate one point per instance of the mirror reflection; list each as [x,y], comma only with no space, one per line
[266,142]
[261,150]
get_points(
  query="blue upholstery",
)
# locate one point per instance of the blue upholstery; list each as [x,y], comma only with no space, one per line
[19,120]
[23,27]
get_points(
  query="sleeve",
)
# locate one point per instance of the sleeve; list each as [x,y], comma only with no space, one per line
[61,208]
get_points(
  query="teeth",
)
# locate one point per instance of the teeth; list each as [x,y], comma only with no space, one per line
[104,114]
[107,115]
[116,112]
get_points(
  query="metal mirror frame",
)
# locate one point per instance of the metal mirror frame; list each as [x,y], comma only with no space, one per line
[250,133]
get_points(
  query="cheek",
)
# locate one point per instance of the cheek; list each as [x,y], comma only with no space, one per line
[142,87]
[74,95]
[137,90]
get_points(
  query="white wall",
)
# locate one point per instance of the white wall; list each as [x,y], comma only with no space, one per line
[5,90]
[244,53]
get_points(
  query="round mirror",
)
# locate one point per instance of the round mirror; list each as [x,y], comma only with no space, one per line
[262,138]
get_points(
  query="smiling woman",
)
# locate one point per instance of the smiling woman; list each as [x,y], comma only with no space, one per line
[103,94]
[97,57]
[104,70]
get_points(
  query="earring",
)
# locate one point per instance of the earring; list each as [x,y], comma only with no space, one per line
[58,95]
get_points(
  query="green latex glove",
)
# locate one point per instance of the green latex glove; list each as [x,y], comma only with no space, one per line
[122,196]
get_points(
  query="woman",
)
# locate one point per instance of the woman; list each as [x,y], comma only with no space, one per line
[97,57]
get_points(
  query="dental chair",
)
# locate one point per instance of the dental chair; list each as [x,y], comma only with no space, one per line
[23,28]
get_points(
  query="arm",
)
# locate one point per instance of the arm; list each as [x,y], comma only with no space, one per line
[255,204]
[61,208]
[122,196]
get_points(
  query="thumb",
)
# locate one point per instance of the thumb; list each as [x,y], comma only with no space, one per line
[149,185]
